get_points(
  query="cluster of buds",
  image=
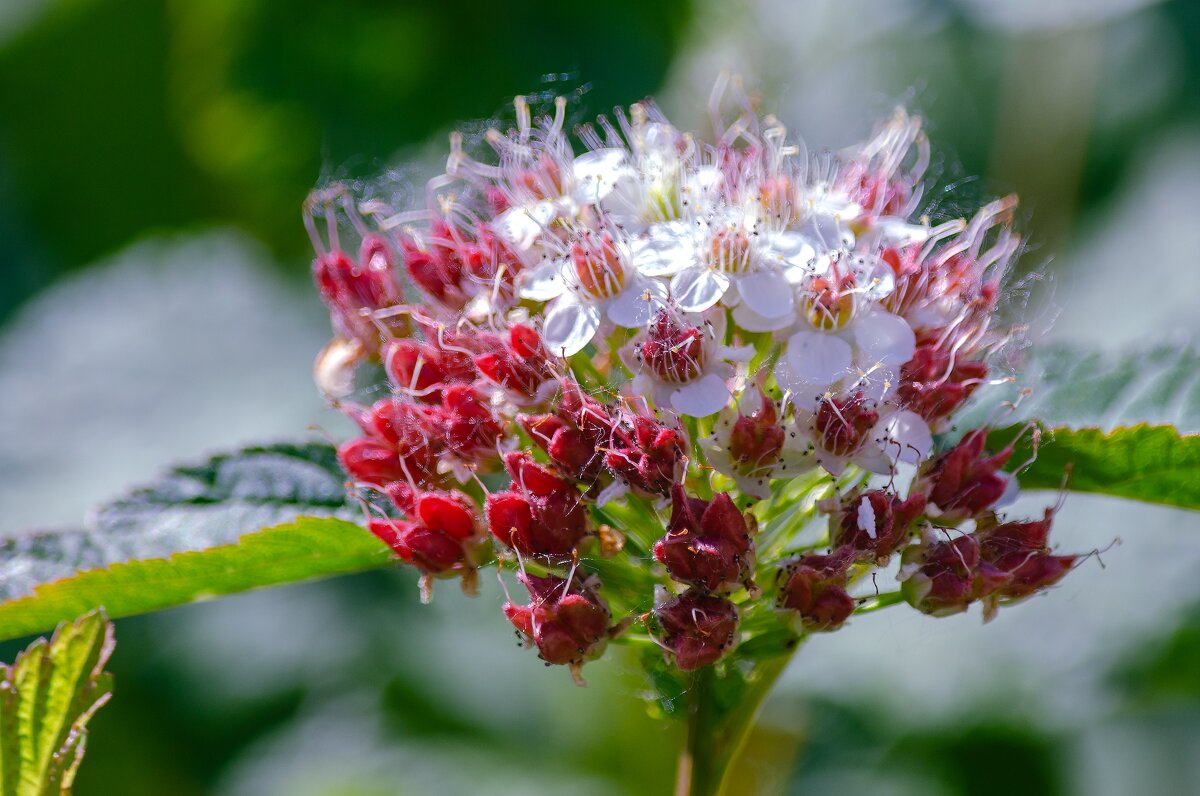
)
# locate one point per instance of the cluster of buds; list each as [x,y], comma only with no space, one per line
[693,337]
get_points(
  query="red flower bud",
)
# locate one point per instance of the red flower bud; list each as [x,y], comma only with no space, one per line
[542,514]
[876,524]
[415,369]
[469,428]
[1020,549]
[573,438]
[707,544]
[842,425]
[370,461]
[439,533]
[568,622]
[349,288]
[938,379]
[963,483]
[948,576]
[674,352]
[814,586]
[520,365]
[697,629]
[757,438]
[649,458]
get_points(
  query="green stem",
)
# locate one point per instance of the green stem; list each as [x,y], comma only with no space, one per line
[717,733]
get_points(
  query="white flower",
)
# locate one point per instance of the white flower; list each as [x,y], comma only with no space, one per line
[594,284]
[679,363]
[846,341]
[588,180]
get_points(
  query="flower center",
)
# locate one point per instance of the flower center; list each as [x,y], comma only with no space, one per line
[598,267]
[828,301]
[842,424]
[729,251]
[778,197]
[674,352]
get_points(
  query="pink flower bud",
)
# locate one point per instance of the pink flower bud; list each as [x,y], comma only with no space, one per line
[707,544]
[569,623]
[542,514]
[697,629]
[876,524]
[814,587]
[399,446]
[598,266]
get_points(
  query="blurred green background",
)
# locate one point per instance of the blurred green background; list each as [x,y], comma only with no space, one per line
[155,306]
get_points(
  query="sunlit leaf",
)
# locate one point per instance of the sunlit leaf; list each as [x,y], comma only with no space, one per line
[47,697]
[196,532]
[1154,464]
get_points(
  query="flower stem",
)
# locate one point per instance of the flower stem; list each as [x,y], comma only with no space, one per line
[717,729]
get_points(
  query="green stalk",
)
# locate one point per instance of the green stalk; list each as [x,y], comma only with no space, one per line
[716,733]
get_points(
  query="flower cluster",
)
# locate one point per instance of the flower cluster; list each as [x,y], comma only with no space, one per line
[633,347]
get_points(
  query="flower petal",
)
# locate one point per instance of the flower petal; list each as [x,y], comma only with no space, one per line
[597,173]
[634,306]
[697,289]
[767,293]
[667,250]
[569,326]
[906,437]
[884,338]
[818,358]
[751,321]
[544,281]
[521,226]
[705,396]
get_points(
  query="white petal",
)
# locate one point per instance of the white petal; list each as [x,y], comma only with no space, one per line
[884,338]
[697,289]
[767,293]
[597,173]
[791,248]
[751,321]
[667,250]
[818,358]
[544,281]
[866,517]
[705,396]
[569,326]
[906,437]
[521,226]
[634,306]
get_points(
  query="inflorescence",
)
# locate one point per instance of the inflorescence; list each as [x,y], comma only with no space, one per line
[587,337]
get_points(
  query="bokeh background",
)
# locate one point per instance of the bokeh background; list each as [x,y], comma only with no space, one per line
[155,306]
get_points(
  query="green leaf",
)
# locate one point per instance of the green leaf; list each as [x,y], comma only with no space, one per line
[46,699]
[302,550]
[1154,464]
[195,533]
[1071,386]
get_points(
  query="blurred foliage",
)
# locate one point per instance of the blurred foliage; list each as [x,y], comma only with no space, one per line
[137,115]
